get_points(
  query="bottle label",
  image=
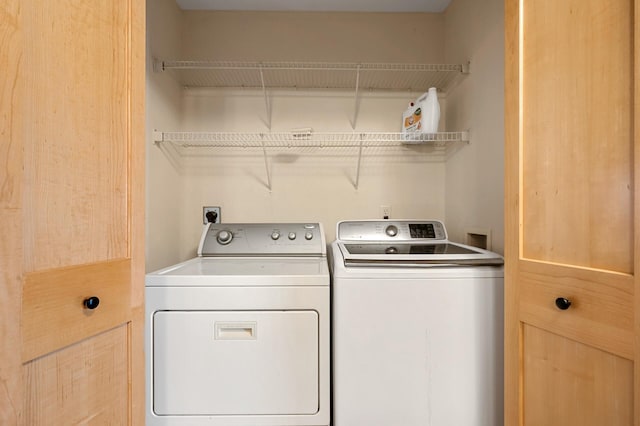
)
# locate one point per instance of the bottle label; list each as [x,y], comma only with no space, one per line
[412,120]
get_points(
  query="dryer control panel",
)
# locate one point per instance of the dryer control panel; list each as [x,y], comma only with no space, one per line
[262,239]
[391,230]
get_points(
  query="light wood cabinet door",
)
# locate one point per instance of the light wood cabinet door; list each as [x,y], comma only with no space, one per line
[72,212]
[572,208]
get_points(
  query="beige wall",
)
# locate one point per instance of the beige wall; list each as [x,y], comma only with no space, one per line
[316,36]
[307,184]
[164,184]
[475,174]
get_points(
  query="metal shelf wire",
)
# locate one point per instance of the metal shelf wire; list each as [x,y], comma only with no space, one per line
[314,75]
[187,140]
[310,75]
[189,143]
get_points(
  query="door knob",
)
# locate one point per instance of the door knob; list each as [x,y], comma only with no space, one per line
[91,302]
[563,303]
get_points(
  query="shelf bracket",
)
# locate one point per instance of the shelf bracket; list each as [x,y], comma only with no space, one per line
[266,161]
[267,104]
[357,181]
[158,65]
[356,104]
[158,136]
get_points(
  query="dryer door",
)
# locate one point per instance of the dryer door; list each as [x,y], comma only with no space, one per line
[235,362]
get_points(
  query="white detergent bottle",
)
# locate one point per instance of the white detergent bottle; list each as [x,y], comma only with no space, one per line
[430,112]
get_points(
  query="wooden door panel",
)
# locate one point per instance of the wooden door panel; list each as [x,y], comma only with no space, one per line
[577,133]
[77,138]
[568,383]
[601,312]
[52,305]
[571,212]
[82,384]
[72,208]
[11,99]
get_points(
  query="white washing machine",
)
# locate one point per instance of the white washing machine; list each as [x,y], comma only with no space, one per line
[417,327]
[240,334]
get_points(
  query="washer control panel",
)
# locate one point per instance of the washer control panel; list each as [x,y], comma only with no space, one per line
[262,239]
[391,230]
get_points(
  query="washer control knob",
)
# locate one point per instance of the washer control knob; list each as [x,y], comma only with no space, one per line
[292,235]
[275,235]
[391,230]
[308,236]
[224,237]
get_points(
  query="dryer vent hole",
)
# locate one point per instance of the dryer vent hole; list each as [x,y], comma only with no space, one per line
[479,238]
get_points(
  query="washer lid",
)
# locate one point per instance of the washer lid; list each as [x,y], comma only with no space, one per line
[420,254]
[446,248]
[405,243]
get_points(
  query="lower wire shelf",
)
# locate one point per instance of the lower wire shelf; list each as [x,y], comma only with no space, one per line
[191,143]
[304,139]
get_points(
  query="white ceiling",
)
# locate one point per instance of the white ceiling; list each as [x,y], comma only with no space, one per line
[320,5]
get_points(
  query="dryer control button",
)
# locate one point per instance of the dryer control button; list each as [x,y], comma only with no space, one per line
[391,230]
[292,235]
[275,235]
[224,237]
[308,236]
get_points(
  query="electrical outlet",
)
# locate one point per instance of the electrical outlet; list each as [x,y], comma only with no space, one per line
[385,212]
[211,214]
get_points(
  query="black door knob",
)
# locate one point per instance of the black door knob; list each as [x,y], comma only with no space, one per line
[563,303]
[91,302]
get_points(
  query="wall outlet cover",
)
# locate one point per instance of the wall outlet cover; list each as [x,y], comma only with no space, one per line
[211,214]
[385,212]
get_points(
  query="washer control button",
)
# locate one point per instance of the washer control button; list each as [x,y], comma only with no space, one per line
[308,236]
[275,235]
[292,235]
[391,230]
[224,237]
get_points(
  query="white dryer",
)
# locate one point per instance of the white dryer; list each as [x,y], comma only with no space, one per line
[417,327]
[240,334]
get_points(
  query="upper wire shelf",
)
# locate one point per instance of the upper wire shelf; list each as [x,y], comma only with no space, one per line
[310,75]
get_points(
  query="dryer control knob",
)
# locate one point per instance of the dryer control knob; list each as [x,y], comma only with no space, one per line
[308,236]
[224,237]
[391,230]
[275,235]
[292,235]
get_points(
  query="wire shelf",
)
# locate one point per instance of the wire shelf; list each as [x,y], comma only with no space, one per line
[196,144]
[304,139]
[310,75]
